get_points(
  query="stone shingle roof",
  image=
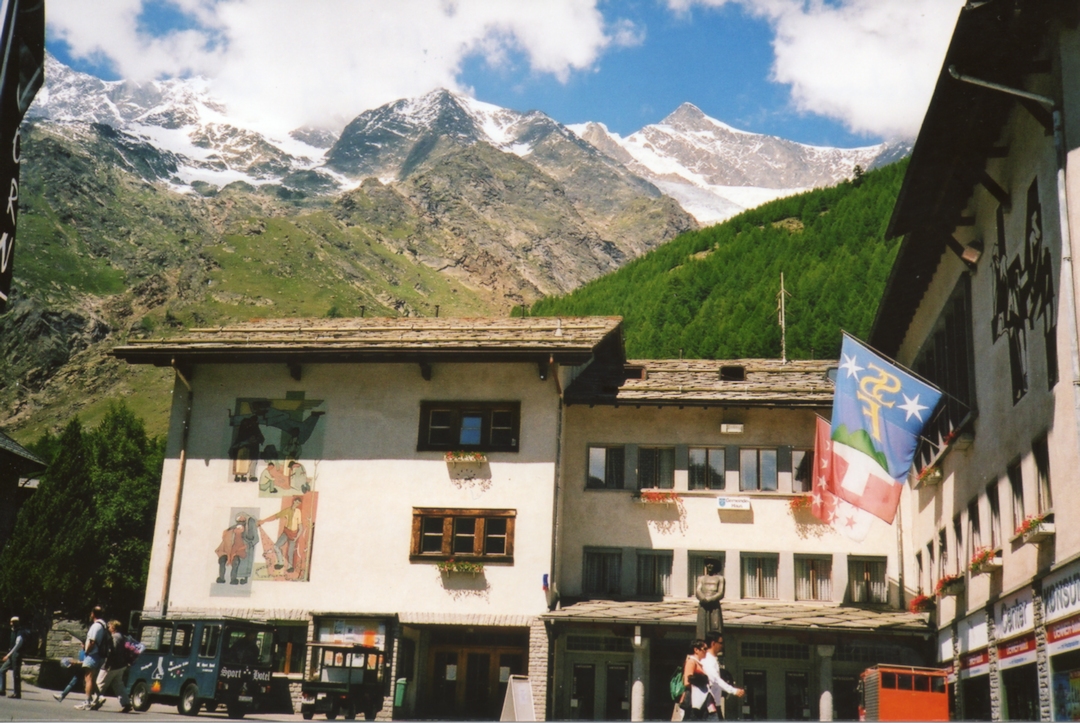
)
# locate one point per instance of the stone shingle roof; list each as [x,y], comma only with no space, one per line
[744,614]
[14,458]
[744,382]
[570,340]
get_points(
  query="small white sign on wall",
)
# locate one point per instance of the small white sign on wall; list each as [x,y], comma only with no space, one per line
[733,503]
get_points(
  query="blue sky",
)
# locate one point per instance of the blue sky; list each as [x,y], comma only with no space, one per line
[823,72]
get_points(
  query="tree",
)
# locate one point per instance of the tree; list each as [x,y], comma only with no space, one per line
[84,537]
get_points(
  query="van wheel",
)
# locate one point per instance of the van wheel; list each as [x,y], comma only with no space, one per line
[140,696]
[332,713]
[188,704]
[350,712]
[308,715]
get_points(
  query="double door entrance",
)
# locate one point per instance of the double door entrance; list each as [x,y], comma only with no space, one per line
[593,698]
[470,682]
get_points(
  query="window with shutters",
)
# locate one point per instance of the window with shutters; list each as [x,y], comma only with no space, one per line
[607,467]
[477,535]
[469,426]
[654,573]
[813,578]
[601,572]
[656,467]
[706,468]
[866,579]
[757,469]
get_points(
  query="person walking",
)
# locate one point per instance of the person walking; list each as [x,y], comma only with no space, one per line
[98,643]
[111,675]
[13,660]
[717,685]
[695,683]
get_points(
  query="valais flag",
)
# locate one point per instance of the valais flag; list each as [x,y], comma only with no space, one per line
[844,517]
[879,411]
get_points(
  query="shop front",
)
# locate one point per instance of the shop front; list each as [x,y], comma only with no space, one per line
[974,677]
[1061,611]
[1014,623]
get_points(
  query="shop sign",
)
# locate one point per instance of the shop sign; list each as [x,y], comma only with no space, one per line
[1063,635]
[975,664]
[733,503]
[1014,615]
[973,633]
[1016,652]
[945,648]
[1061,593]
[356,631]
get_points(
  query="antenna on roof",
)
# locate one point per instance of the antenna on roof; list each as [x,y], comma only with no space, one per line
[436,311]
[363,309]
[781,308]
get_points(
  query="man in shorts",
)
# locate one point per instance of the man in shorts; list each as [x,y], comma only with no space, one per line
[96,649]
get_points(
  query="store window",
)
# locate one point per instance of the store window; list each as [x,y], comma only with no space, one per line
[601,572]
[757,469]
[656,467]
[706,470]
[469,426]
[866,579]
[607,467]
[813,578]
[654,573]
[759,576]
[467,535]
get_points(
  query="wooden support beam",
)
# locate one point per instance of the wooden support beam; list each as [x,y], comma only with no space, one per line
[1039,113]
[995,190]
[425,371]
[294,370]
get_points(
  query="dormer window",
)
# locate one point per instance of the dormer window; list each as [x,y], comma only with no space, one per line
[732,374]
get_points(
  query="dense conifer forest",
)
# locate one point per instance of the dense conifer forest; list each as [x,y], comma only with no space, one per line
[713,293]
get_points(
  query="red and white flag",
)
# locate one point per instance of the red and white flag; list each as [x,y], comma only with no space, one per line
[827,506]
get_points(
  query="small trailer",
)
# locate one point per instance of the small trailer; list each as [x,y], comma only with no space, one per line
[904,693]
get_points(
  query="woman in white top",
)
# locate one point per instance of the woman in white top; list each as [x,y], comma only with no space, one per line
[696,696]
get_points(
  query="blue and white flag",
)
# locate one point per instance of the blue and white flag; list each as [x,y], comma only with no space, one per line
[879,411]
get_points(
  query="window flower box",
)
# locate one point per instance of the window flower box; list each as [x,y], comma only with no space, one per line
[656,496]
[459,457]
[1043,531]
[922,604]
[460,566]
[929,475]
[985,560]
[949,586]
[801,502]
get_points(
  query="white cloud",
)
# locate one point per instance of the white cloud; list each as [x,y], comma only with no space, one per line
[870,64]
[283,63]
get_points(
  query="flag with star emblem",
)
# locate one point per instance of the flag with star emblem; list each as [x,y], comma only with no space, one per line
[842,516]
[879,411]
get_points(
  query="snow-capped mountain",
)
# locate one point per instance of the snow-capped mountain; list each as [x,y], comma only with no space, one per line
[180,118]
[715,171]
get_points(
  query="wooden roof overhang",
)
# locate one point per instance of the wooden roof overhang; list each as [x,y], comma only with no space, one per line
[997,41]
[568,341]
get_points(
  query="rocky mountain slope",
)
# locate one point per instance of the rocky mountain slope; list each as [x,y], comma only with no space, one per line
[715,171]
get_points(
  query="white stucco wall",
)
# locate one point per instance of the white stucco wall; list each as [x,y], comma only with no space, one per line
[611,518]
[369,477]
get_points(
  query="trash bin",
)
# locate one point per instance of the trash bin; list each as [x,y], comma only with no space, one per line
[399,692]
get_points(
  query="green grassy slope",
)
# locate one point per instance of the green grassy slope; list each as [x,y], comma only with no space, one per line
[712,293]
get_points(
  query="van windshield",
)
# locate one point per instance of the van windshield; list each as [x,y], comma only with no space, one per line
[244,646]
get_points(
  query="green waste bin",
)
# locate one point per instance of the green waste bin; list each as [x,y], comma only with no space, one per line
[399,692]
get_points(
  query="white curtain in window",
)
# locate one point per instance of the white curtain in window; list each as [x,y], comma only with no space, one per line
[759,577]
[601,574]
[654,574]
[813,579]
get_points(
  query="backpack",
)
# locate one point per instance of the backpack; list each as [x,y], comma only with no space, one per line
[132,649]
[677,686]
[103,646]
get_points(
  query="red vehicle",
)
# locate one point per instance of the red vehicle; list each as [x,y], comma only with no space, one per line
[902,692]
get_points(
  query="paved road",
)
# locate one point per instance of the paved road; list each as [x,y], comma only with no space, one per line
[38,704]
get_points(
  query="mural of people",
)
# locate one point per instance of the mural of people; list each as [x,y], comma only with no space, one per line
[236,553]
[298,478]
[278,430]
[287,550]
[1024,292]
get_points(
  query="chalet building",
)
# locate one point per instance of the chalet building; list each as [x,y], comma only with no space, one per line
[497,497]
[982,301]
[666,464]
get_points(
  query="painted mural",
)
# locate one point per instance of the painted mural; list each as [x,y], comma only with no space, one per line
[1024,294]
[275,446]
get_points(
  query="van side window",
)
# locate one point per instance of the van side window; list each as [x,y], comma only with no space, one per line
[153,637]
[211,639]
[183,638]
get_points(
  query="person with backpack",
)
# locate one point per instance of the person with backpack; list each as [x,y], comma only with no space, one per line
[695,698]
[111,675]
[13,660]
[98,644]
